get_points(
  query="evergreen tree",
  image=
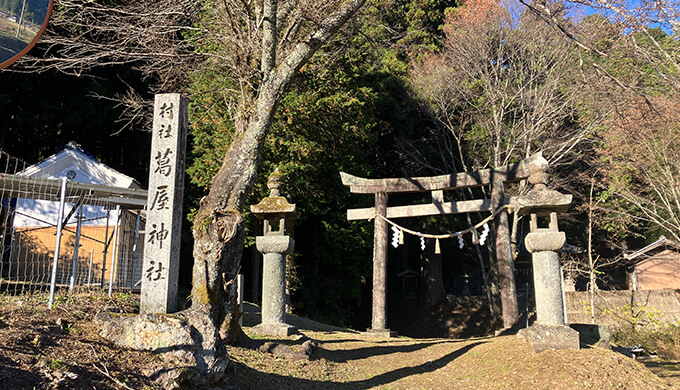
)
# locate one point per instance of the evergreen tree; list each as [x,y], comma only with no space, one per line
[343,112]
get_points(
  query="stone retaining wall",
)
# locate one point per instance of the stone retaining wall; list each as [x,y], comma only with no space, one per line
[665,302]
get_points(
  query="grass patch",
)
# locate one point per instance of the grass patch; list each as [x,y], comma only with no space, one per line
[663,339]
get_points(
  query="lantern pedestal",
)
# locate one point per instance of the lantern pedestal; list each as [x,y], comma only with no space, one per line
[550,330]
[274,246]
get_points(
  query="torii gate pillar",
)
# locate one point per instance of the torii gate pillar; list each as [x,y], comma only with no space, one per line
[379,320]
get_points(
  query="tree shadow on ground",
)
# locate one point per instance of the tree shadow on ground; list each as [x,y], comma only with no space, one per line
[252,315]
[251,378]
[13,377]
[662,368]
[345,355]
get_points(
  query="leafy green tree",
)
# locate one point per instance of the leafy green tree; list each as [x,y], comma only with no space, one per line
[323,126]
[342,113]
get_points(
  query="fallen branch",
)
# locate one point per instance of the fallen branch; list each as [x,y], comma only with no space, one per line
[105,371]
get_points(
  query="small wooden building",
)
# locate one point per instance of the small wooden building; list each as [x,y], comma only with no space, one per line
[655,267]
[33,224]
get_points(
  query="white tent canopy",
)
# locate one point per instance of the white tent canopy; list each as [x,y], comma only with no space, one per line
[77,166]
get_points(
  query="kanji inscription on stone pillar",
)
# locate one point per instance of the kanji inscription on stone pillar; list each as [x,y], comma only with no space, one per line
[164,205]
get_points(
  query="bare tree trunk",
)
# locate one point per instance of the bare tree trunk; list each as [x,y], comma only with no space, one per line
[591,265]
[218,226]
[506,265]
[219,232]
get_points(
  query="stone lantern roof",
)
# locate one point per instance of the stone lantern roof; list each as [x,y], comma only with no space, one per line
[543,202]
[540,200]
[274,206]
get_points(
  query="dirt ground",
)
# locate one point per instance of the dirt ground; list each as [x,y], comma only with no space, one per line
[60,348]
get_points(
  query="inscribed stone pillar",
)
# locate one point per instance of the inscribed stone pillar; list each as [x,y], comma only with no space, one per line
[164,205]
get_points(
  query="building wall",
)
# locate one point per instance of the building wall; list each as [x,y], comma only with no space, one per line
[32,250]
[659,272]
[34,247]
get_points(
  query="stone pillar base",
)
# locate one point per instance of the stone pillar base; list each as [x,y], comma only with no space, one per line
[384,333]
[543,337]
[276,329]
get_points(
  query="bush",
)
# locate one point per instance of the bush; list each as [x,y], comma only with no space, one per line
[663,340]
[635,318]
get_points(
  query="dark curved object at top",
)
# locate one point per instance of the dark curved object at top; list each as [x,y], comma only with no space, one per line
[11,48]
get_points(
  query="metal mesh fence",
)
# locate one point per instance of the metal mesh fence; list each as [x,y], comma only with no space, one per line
[56,234]
[11,165]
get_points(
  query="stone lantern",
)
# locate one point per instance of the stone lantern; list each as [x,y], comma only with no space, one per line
[274,245]
[544,244]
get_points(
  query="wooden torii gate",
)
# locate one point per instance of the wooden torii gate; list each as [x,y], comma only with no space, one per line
[381,188]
